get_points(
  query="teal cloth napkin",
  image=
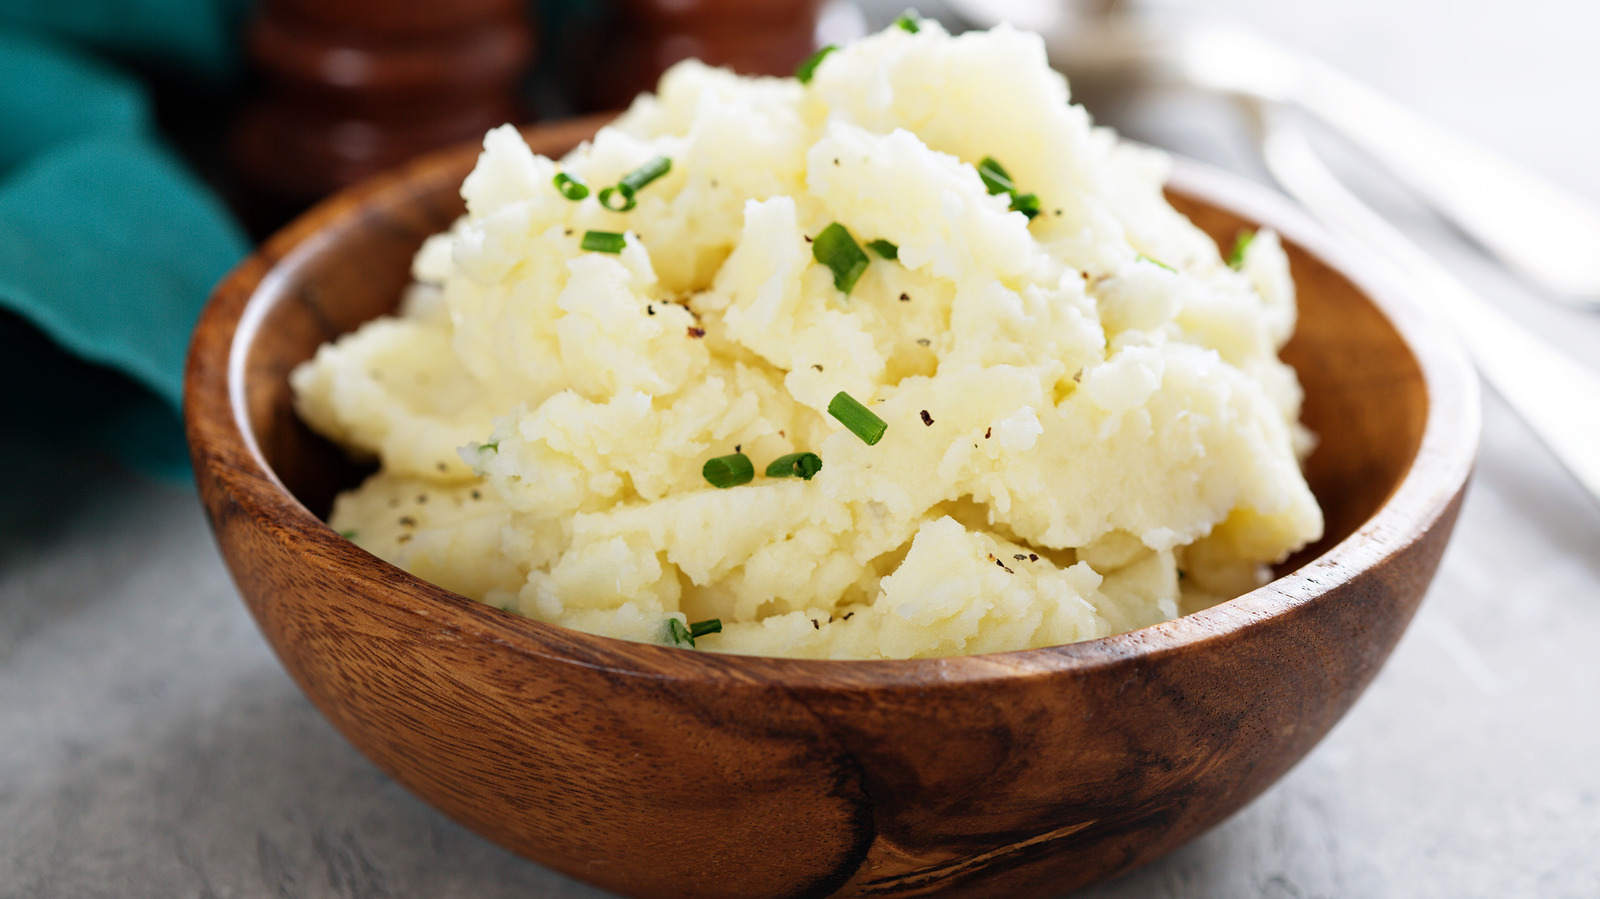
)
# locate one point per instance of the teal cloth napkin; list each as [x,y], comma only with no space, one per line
[109,246]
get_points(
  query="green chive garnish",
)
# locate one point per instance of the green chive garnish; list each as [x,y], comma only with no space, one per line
[795,465]
[728,471]
[910,20]
[608,193]
[998,181]
[1241,245]
[1145,258]
[677,635]
[995,177]
[708,626]
[571,187]
[633,182]
[884,248]
[809,67]
[836,249]
[348,535]
[1027,204]
[858,418]
[644,174]
[603,241]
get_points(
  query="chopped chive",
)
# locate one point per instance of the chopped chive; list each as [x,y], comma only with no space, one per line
[836,249]
[633,182]
[348,534]
[708,626]
[910,20]
[809,66]
[603,241]
[995,177]
[571,187]
[795,465]
[998,181]
[728,471]
[627,198]
[1156,262]
[1027,204]
[1241,245]
[675,634]
[858,418]
[644,174]
[884,248]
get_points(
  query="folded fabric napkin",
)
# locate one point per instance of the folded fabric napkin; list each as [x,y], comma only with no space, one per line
[109,246]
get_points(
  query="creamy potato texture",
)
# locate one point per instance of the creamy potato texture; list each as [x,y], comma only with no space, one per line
[1089,429]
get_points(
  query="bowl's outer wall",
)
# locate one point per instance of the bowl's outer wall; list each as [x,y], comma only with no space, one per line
[656,772]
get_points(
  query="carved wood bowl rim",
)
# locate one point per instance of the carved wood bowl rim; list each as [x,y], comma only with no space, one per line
[219,428]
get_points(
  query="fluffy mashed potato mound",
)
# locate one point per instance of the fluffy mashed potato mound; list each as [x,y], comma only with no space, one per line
[1089,430]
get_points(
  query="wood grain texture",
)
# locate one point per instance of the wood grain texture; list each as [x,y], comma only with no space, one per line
[658,772]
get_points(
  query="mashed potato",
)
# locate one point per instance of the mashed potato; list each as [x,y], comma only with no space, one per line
[1088,427]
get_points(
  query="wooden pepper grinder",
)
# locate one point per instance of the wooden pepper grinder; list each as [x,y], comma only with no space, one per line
[769,37]
[352,87]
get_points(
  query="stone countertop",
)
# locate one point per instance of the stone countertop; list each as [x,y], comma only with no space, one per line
[151,746]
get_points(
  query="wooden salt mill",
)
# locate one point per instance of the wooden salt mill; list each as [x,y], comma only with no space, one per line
[753,37]
[352,87]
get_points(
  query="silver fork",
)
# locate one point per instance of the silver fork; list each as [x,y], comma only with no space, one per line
[1558,398]
[1537,229]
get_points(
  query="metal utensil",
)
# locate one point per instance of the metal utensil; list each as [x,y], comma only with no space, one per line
[1043,16]
[1537,229]
[1558,398]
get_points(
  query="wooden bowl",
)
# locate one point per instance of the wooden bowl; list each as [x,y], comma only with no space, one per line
[659,772]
